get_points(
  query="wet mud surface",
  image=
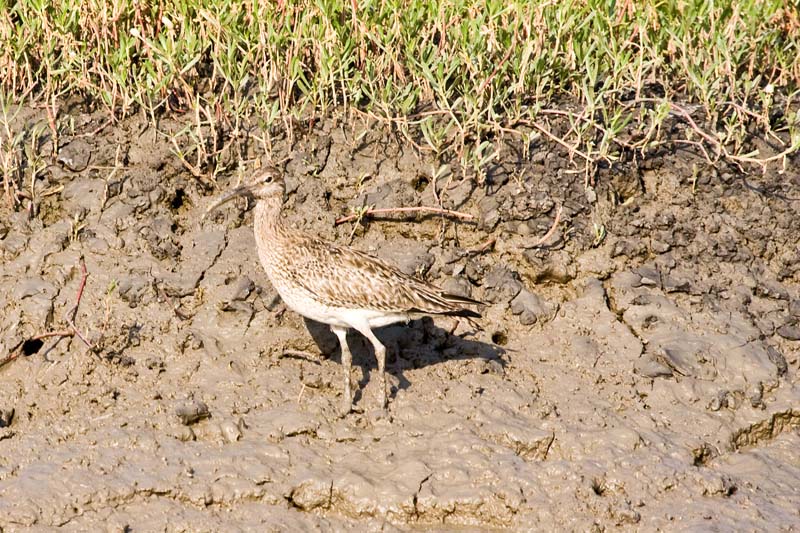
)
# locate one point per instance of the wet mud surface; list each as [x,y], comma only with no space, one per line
[639,371]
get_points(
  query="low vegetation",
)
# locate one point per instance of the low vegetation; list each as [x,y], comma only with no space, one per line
[606,80]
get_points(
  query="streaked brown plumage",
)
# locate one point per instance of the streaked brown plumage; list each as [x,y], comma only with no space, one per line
[337,285]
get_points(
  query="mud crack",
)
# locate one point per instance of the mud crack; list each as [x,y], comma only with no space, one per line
[612,306]
[416,495]
[213,261]
[765,430]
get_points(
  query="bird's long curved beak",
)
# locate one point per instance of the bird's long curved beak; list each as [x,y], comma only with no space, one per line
[227,197]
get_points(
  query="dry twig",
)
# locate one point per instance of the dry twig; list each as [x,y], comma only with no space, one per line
[74,310]
[70,317]
[550,232]
[721,151]
[484,246]
[391,210]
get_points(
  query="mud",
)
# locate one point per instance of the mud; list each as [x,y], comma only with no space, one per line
[639,371]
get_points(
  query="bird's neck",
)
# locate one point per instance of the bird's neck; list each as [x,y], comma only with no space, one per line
[268,223]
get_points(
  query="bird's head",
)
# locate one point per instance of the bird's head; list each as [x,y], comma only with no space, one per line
[265,184]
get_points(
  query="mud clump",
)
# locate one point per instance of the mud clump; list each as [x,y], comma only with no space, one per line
[191,412]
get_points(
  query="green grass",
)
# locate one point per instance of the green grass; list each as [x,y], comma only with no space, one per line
[453,75]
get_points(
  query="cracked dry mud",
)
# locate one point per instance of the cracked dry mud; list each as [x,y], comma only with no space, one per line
[647,381]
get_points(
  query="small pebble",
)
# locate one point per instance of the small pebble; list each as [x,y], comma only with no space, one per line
[648,281]
[6,417]
[790,331]
[243,289]
[772,289]
[675,285]
[651,368]
[493,366]
[528,306]
[757,396]
[778,360]
[185,434]
[75,155]
[231,431]
[191,412]
[660,247]
[718,401]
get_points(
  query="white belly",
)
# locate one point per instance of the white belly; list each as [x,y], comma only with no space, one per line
[299,301]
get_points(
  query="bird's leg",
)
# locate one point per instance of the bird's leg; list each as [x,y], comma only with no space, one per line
[347,363]
[380,355]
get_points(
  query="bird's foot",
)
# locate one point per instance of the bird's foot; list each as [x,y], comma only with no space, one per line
[346,407]
[382,411]
[383,401]
[379,414]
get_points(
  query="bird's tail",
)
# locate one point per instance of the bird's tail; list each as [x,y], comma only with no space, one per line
[449,305]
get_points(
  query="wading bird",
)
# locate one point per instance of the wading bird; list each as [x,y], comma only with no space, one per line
[337,285]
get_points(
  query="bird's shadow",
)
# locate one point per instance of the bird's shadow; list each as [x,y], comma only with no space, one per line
[418,344]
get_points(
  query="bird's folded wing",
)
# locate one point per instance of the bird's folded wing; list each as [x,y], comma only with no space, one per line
[345,277]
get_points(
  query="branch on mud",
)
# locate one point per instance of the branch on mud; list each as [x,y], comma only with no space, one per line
[484,246]
[70,318]
[502,62]
[591,162]
[194,170]
[427,210]
[175,302]
[74,310]
[571,149]
[550,232]
[719,147]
